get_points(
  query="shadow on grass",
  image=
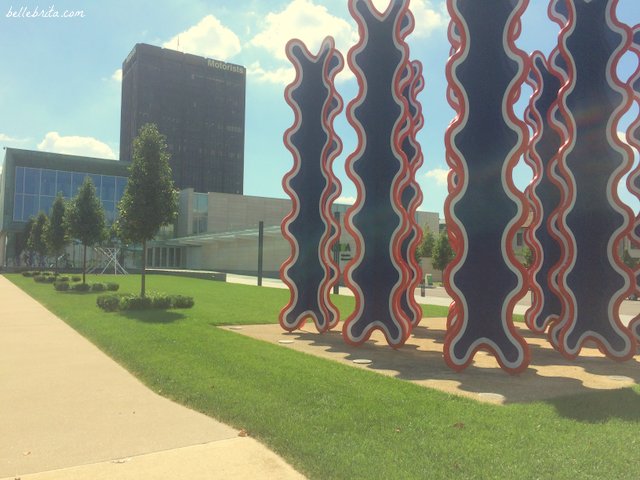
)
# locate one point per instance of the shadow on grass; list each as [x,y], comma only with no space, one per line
[549,377]
[153,316]
[600,407]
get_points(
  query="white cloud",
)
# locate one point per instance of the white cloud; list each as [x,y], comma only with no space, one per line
[283,75]
[74,145]
[427,17]
[306,21]
[208,38]
[117,75]
[8,138]
[346,200]
[439,175]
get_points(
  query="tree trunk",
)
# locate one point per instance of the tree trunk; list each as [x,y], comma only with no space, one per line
[84,264]
[144,267]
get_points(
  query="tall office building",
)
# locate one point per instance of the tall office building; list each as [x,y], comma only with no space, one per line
[198,104]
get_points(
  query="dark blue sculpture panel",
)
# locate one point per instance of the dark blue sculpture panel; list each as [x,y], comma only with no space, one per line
[543,193]
[633,181]
[592,279]
[378,274]
[312,231]
[484,209]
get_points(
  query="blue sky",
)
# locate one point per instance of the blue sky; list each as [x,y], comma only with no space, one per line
[60,85]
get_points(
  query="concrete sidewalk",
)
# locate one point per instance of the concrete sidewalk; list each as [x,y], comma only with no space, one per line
[67,411]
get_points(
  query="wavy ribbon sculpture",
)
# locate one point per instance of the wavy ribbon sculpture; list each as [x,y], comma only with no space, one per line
[378,274]
[484,210]
[592,279]
[311,229]
[633,181]
[543,192]
[412,194]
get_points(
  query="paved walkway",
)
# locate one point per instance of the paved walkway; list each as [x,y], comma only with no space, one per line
[67,411]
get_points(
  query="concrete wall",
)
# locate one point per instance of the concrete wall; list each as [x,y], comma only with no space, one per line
[231,241]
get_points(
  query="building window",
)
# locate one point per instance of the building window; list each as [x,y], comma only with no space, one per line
[36,189]
[64,184]
[32,181]
[48,183]
[108,193]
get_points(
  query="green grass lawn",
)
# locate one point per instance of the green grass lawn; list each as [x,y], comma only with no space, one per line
[333,421]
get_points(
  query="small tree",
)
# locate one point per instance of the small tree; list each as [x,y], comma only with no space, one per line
[425,249]
[628,260]
[527,255]
[56,231]
[150,200]
[442,253]
[84,218]
[22,241]
[37,241]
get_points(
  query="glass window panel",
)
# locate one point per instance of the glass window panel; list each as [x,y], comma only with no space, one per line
[48,183]
[121,183]
[164,257]
[156,257]
[108,188]
[171,257]
[97,182]
[64,184]
[32,180]
[30,207]
[78,178]
[18,201]
[178,264]
[149,256]
[20,180]
[45,203]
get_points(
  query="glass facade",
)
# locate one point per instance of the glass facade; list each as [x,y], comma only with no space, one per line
[200,213]
[36,188]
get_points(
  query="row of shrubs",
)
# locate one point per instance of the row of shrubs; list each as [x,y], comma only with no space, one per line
[50,277]
[115,302]
[64,285]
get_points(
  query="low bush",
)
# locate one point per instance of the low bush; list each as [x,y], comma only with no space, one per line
[98,287]
[160,301]
[76,278]
[80,287]
[108,303]
[63,278]
[61,286]
[29,274]
[181,301]
[44,278]
[112,287]
[133,302]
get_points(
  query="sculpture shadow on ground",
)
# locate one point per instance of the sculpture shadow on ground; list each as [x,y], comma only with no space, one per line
[600,406]
[549,377]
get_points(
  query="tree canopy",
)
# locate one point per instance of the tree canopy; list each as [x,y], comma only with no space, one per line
[425,249]
[442,252]
[37,241]
[84,218]
[56,231]
[150,199]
